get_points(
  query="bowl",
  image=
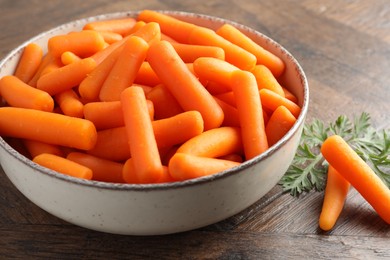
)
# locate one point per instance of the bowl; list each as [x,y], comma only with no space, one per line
[155,209]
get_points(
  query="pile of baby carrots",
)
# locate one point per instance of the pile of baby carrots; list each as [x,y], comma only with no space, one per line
[150,99]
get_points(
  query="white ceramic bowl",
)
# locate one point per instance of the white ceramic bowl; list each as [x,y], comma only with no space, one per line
[157,208]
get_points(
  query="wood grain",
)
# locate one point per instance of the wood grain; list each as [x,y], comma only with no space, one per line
[344,48]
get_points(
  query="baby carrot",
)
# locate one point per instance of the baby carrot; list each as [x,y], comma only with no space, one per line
[214,69]
[250,113]
[214,143]
[230,112]
[45,60]
[215,88]
[227,97]
[69,57]
[110,37]
[232,157]
[18,94]
[272,101]
[263,56]
[47,127]
[125,69]
[141,140]
[121,26]
[29,62]
[279,124]
[150,32]
[70,103]
[187,166]
[354,169]
[189,52]
[36,148]
[233,53]
[335,194]
[102,170]
[66,77]
[165,105]
[63,166]
[265,79]
[174,28]
[191,95]
[81,43]
[290,95]
[147,76]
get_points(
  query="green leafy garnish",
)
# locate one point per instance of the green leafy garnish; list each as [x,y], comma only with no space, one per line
[308,169]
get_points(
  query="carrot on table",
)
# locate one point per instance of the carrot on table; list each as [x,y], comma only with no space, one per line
[215,70]
[189,52]
[63,165]
[191,95]
[29,62]
[279,124]
[66,77]
[18,94]
[70,103]
[165,105]
[47,127]
[263,56]
[233,53]
[250,113]
[187,166]
[36,148]
[335,194]
[265,79]
[102,169]
[141,140]
[122,26]
[69,57]
[81,43]
[357,172]
[125,69]
[272,101]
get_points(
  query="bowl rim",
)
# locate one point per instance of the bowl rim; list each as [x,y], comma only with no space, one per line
[171,185]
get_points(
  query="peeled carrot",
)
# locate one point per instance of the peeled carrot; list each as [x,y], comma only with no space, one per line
[66,77]
[173,72]
[214,69]
[45,60]
[335,194]
[263,56]
[233,53]
[69,57]
[353,168]
[29,62]
[141,140]
[122,26]
[47,127]
[230,112]
[102,170]
[36,148]
[265,79]
[215,88]
[52,65]
[110,37]
[63,166]
[18,94]
[272,101]
[81,43]
[250,113]
[189,52]
[279,124]
[214,143]
[70,103]
[125,69]
[186,166]
[150,32]
[147,76]
[165,105]
[173,27]
[227,97]
[232,157]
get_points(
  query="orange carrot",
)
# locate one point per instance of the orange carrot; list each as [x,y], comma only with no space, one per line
[36,148]
[335,194]
[165,37]
[69,57]
[150,32]
[215,88]
[186,166]
[47,127]
[147,76]
[250,113]
[263,56]
[110,37]
[173,72]
[357,172]
[130,175]
[233,53]
[215,70]
[45,60]
[165,105]
[63,166]
[272,101]
[29,62]
[66,77]
[214,143]
[189,52]
[122,26]
[70,103]
[279,124]
[103,170]
[18,94]
[174,28]
[52,65]
[232,157]
[265,79]
[125,69]
[230,112]
[81,43]
[142,143]
[290,95]
[227,97]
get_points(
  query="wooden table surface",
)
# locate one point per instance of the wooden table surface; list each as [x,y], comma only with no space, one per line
[344,48]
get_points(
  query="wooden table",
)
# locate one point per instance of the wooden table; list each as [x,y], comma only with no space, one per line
[344,48]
